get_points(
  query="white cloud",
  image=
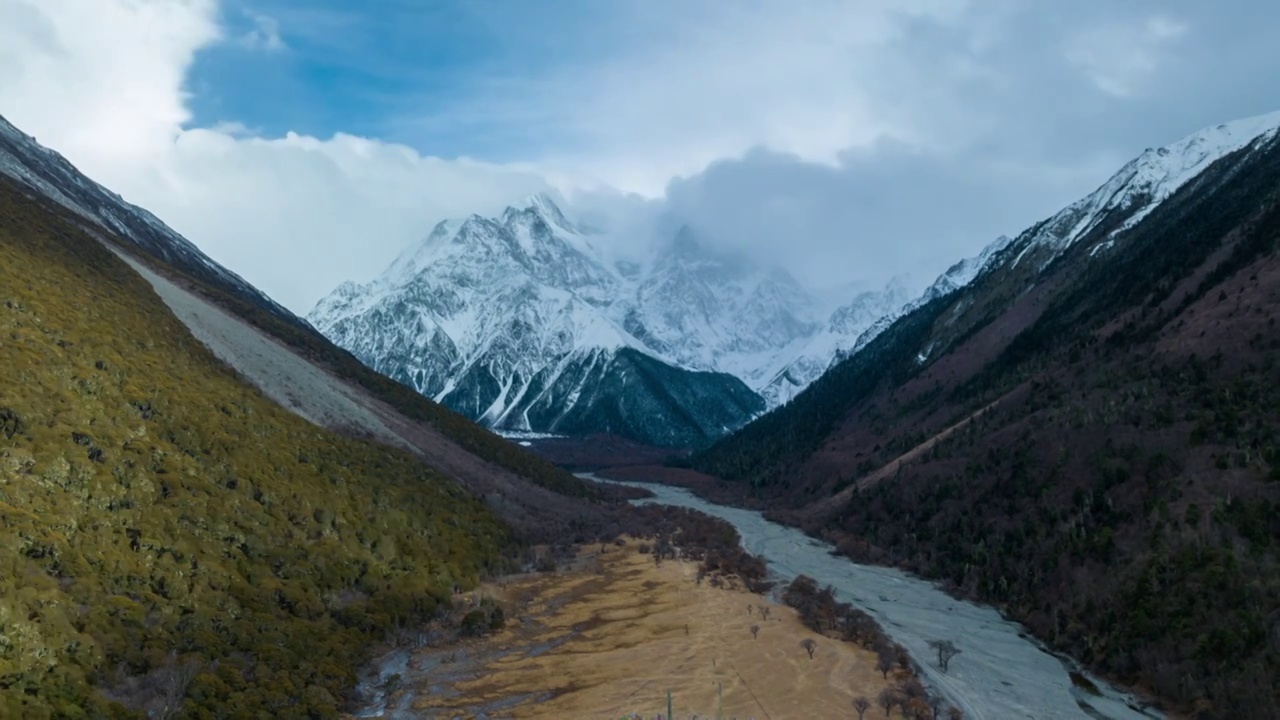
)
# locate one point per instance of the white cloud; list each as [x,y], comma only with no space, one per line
[298,215]
[687,83]
[101,81]
[898,134]
[264,35]
[1121,56]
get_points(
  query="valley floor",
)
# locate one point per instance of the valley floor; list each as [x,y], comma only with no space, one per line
[613,635]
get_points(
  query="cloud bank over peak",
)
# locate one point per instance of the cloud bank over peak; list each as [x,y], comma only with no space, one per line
[851,141]
[103,82]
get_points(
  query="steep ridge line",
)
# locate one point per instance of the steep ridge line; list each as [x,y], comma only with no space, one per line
[44,175]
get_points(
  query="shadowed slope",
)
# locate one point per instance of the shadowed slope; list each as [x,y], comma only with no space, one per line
[1118,491]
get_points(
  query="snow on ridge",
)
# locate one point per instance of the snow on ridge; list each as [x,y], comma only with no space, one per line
[545,206]
[1150,179]
[1163,171]
[796,367]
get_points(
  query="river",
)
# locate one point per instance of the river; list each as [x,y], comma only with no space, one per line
[1001,673]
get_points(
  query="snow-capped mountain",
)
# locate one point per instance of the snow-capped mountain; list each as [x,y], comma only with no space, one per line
[1123,201]
[706,310]
[962,273]
[1120,204]
[517,320]
[519,323]
[854,325]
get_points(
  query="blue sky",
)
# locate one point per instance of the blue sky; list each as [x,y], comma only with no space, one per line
[346,66]
[395,69]
[417,71]
[307,143]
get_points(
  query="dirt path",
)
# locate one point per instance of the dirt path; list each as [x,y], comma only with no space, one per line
[613,639]
[840,499]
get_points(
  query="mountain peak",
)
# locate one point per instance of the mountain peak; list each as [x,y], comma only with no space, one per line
[898,284]
[416,256]
[542,205]
[542,202]
[1168,167]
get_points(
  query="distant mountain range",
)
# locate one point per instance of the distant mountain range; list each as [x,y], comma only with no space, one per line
[524,323]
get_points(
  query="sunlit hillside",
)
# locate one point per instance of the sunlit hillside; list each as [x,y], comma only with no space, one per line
[171,529]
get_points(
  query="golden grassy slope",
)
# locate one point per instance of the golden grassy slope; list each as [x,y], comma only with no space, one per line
[157,513]
[614,638]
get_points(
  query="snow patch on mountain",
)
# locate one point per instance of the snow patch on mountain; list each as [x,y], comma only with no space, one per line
[963,272]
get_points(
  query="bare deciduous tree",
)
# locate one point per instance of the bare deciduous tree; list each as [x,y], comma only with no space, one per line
[174,681]
[884,664]
[913,689]
[861,705]
[902,656]
[809,646]
[955,713]
[888,699]
[946,650]
[916,708]
[755,631]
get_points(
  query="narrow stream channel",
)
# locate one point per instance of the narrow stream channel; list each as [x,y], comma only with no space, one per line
[1001,673]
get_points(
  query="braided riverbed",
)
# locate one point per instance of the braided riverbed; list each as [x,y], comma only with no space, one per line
[1001,673]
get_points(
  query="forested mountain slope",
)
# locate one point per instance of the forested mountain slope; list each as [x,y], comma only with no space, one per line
[159,514]
[1086,434]
[210,510]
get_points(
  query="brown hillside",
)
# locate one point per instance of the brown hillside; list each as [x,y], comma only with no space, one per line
[1093,443]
